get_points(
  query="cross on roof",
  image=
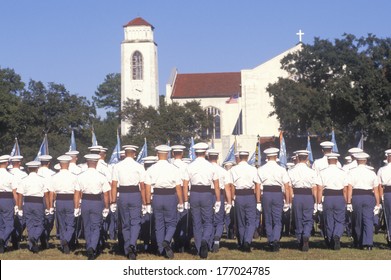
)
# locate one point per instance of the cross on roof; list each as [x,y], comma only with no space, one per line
[300,34]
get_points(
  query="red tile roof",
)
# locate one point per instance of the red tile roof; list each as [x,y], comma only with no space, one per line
[206,85]
[137,22]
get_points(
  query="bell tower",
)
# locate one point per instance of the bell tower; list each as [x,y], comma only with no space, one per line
[139,66]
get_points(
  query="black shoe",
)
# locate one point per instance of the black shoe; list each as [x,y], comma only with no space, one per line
[167,248]
[66,248]
[306,245]
[204,249]
[90,254]
[337,243]
[44,243]
[2,246]
[246,247]
[132,253]
[34,247]
[276,246]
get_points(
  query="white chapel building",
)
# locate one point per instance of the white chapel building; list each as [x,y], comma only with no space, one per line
[238,101]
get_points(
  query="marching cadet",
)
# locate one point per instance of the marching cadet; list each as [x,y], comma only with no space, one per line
[332,183]
[225,198]
[33,190]
[303,181]
[94,190]
[246,190]
[201,174]
[165,180]
[353,161]
[384,175]
[73,168]
[64,184]
[363,199]
[275,182]
[128,180]
[8,198]
[230,219]
[322,162]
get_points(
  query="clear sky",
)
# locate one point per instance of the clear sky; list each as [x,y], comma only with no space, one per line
[77,42]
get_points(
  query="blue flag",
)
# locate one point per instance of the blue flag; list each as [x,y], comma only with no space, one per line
[72,146]
[258,150]
[44,148]
[15,149]
[115,156]
[361,142]
[94,141]
[231,153]
[169,153]
[192,155]
[143,152]
[309,149]
[282,158]
[335,147]
[251,161]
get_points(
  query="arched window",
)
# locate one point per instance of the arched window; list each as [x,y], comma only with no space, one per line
[137,66]
[214,132]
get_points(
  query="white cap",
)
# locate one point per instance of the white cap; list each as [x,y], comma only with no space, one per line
[290,165]
[64,158]
[348,158]
[4,158]
[271,152]
[186,160]
[72,153]
[243,153]
[33,163]
[355,151]
[103,150]
[45,158]
[178,148]
[236,154]
[332,156]
[327,144]
[361,155]
[301,152]
[164,149]
[130,147]
[200,147]
[92,157]
[95,148]
[122,152]
[212,152]
[227,163]
[16,158]
[388,152]
[150,159]
[57,166]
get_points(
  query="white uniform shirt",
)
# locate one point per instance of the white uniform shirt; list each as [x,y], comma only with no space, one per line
[19,174]
[92,181]
[224,176]
[182,166]
[272,174]
[74,168]
[384,175]
[163,175]
[128,172]
[34,185]
[302,176]
[201,172]
[64,182]
[350,165]
[7,181]
[45,172]
[332,178]
[103,168]
[322,163]
[243,176]
[362,178]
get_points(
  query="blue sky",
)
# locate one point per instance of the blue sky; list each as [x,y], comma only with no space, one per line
[76,43]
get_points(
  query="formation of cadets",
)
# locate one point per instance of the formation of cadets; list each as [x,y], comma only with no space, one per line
[166,202]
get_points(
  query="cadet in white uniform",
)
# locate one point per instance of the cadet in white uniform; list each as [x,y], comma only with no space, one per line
[165,180]
[384,175]
[33,190]
[322,162]
[94,190]
[73,168]
[275,183]
[363,199]
[353,161]
[128,180]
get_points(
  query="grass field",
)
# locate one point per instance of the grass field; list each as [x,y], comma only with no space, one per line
[228,251]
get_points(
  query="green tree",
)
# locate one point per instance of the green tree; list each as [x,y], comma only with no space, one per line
[345,85]
[108,94]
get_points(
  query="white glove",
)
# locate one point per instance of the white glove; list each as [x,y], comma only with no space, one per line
[186,205]
[16,209]
[286,207]
[227,208]
[349,207]
[180,208]
[315,208]
[105,212]
[233,202]
[20,213]
[148,208]
[320,207]
[144,209]
[76,212]
[113,207]
[51,211]
[259,207]
[376,210]
[47,212]
[217,206]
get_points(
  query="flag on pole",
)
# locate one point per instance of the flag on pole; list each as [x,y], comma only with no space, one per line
[15,149]
[143,152]
[361,142]
[192,155]
[258,151]
[72,146]
[335,147]
[94,140]
[309,149]
[231,153]
[282,158]
[44,148]
[251,161]
[115,156]
[169,153]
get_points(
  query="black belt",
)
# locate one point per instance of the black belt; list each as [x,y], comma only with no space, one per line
[244,192]
[6,195]
[362,192]
[200,188]
[129,189]
[328,192]
[306,191]
[64,196]
[387,189]
[166,191]
[89,196]
[33,199]
[272,188]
